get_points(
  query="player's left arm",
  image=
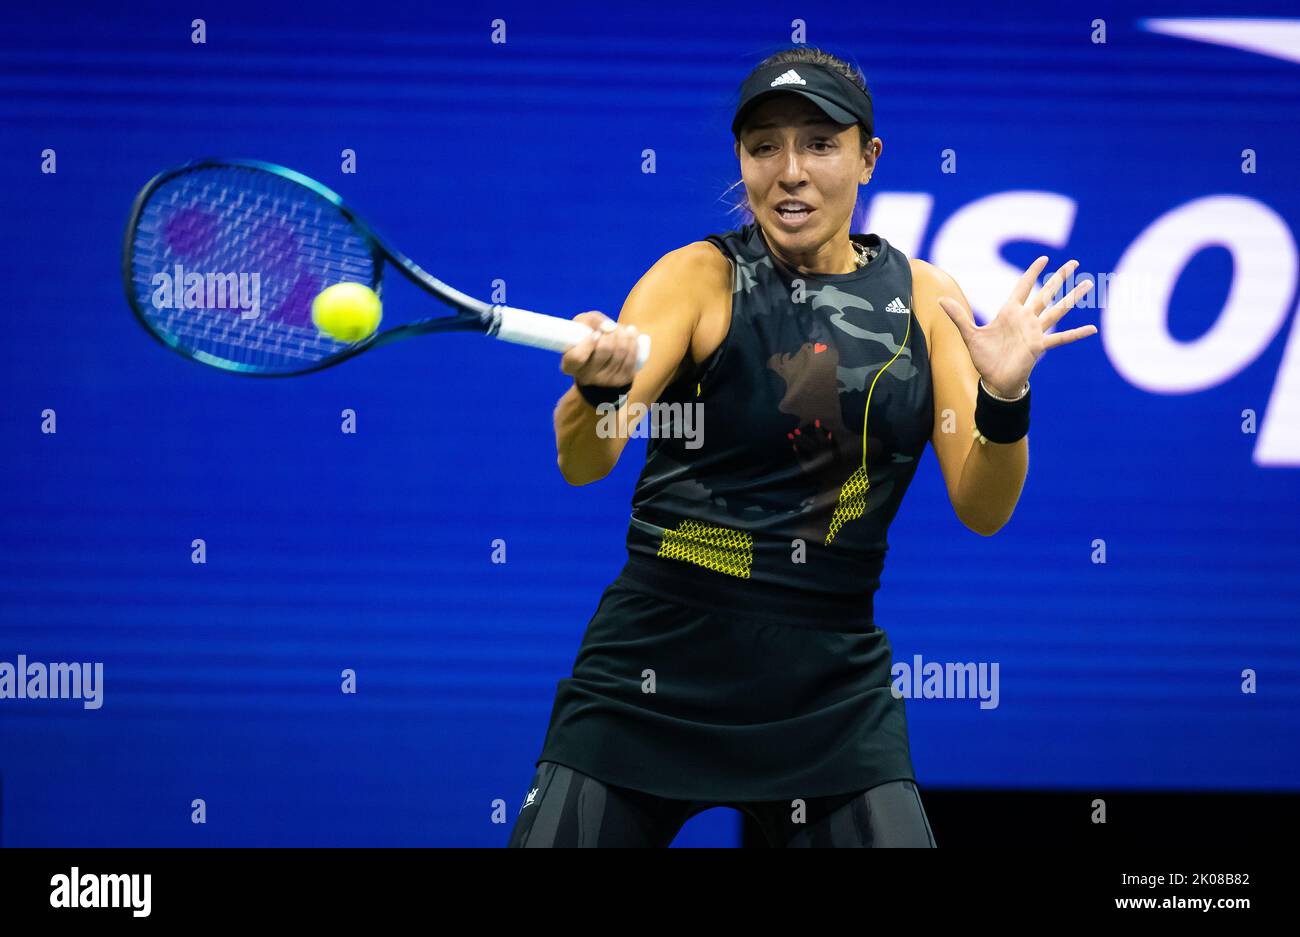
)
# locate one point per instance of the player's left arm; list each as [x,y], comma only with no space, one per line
[984,481]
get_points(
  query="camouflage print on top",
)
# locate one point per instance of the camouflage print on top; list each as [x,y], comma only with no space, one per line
[785,415]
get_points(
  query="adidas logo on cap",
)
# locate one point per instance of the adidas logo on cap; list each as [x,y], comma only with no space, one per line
[789,78]
[896,305]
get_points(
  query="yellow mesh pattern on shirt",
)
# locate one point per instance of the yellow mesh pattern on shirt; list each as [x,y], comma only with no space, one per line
[717,548]
[853,493]
[852,504]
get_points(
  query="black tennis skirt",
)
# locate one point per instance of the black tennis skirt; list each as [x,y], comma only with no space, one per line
[682,691]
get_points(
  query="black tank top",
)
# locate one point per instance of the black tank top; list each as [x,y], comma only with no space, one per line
[814,412]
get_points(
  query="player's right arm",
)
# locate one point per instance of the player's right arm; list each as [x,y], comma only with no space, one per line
[668,304]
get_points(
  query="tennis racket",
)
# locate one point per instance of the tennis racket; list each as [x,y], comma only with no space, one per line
[263,241]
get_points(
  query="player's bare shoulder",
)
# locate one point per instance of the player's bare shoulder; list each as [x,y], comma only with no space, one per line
[697,271]
[689,288]
[711,277]
[707,269]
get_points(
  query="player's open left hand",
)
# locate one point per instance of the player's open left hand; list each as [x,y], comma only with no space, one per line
[1005,350]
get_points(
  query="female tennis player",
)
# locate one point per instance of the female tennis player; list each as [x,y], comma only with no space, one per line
[735,661]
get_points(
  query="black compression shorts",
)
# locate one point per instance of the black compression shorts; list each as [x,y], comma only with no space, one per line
[564,808]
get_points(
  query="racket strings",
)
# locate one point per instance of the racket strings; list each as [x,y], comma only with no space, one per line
[219,335]
[227,259]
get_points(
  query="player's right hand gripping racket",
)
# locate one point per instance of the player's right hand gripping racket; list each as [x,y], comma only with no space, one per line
[224,218]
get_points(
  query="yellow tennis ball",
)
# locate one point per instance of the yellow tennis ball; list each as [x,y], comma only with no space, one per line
[348,312]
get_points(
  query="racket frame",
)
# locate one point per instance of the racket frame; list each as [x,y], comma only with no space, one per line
[473,315]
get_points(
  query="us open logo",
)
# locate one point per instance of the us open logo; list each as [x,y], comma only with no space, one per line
[1134,322]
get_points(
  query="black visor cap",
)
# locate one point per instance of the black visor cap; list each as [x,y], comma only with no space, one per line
[838,98]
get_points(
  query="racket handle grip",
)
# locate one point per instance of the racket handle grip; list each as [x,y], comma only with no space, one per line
[551,333]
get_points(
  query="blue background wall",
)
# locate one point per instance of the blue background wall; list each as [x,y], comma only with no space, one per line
[523,162]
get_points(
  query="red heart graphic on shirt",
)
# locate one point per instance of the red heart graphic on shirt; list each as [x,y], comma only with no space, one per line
[818,348]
